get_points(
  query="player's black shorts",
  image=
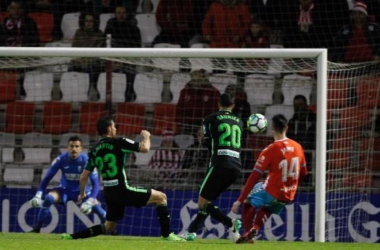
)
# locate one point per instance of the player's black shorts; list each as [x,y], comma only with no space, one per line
[117,198]
[217,180]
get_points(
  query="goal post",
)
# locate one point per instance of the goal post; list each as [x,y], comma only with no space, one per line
[328,189]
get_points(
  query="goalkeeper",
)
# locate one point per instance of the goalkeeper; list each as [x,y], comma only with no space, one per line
[71,165]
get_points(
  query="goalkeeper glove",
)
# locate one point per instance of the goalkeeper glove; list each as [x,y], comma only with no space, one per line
[86,207]
[37,201]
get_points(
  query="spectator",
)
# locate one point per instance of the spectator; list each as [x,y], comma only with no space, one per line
[303,127]
[307,23]
[123,30]
[256,37]
[124,34]
[196,157]
[176,19]
[225,24]
[196,100]
[359,41]
[166,161]
[19,29]
[88,35]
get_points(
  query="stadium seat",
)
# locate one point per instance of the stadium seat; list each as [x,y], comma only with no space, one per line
[45,25]
[37,156]
[164,117]
[148,87]
[74,86]
[119,84]
[354,118]
[341,155]
[155,5]
[183,140]
[155,140]
[18,177]
[55,180]
[64,139]
[7,139]
[368,90]
[171,64]
[103,19]
[19,117]
[56,117]
[273,110]
[259,89]
[38,86]
[199,46]
[88,116]
[293,85]
[8,84]
[69,25]
[139,8]
[3,15]
[177,83]
[130,118]
[357,181]
[142,160]
[337,92]
[221,81]
[34,139]
[148,26]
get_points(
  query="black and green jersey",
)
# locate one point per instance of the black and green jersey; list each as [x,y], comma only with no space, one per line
[222,135]
[109,156]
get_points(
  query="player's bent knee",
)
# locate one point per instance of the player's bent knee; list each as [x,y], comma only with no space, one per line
[157,197]
[110,226]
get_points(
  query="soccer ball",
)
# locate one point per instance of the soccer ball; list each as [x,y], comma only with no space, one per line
[257,123]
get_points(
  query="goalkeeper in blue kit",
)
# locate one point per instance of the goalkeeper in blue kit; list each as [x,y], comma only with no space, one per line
[71,165]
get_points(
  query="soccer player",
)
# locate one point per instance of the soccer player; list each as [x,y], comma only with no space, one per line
[71,165]
[108,156]
[285,161]
[222,135]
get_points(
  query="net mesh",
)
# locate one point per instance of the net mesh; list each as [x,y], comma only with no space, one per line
[45,104]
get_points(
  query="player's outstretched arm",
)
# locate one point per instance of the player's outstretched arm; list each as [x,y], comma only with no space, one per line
[145,143]
[36,201]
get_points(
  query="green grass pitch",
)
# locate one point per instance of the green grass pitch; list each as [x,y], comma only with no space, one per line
[30,241]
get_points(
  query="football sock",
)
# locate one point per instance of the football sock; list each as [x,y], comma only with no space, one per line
[45,210]
[247,215]
[164,219]
[97,209]
[262,216]
[90,232]
[218,215]
[198,221]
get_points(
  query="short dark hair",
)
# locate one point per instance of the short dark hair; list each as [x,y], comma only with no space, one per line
[279,123]
[75,138]
[226,100]
[300,97]
[103,123]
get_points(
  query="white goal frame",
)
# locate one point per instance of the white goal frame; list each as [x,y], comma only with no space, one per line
[319,54]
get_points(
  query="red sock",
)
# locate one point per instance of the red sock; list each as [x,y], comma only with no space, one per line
[262,216]
[247,214]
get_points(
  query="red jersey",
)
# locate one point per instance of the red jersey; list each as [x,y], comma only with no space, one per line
[285,161]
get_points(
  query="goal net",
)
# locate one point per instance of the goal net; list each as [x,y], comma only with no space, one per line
[168,92]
